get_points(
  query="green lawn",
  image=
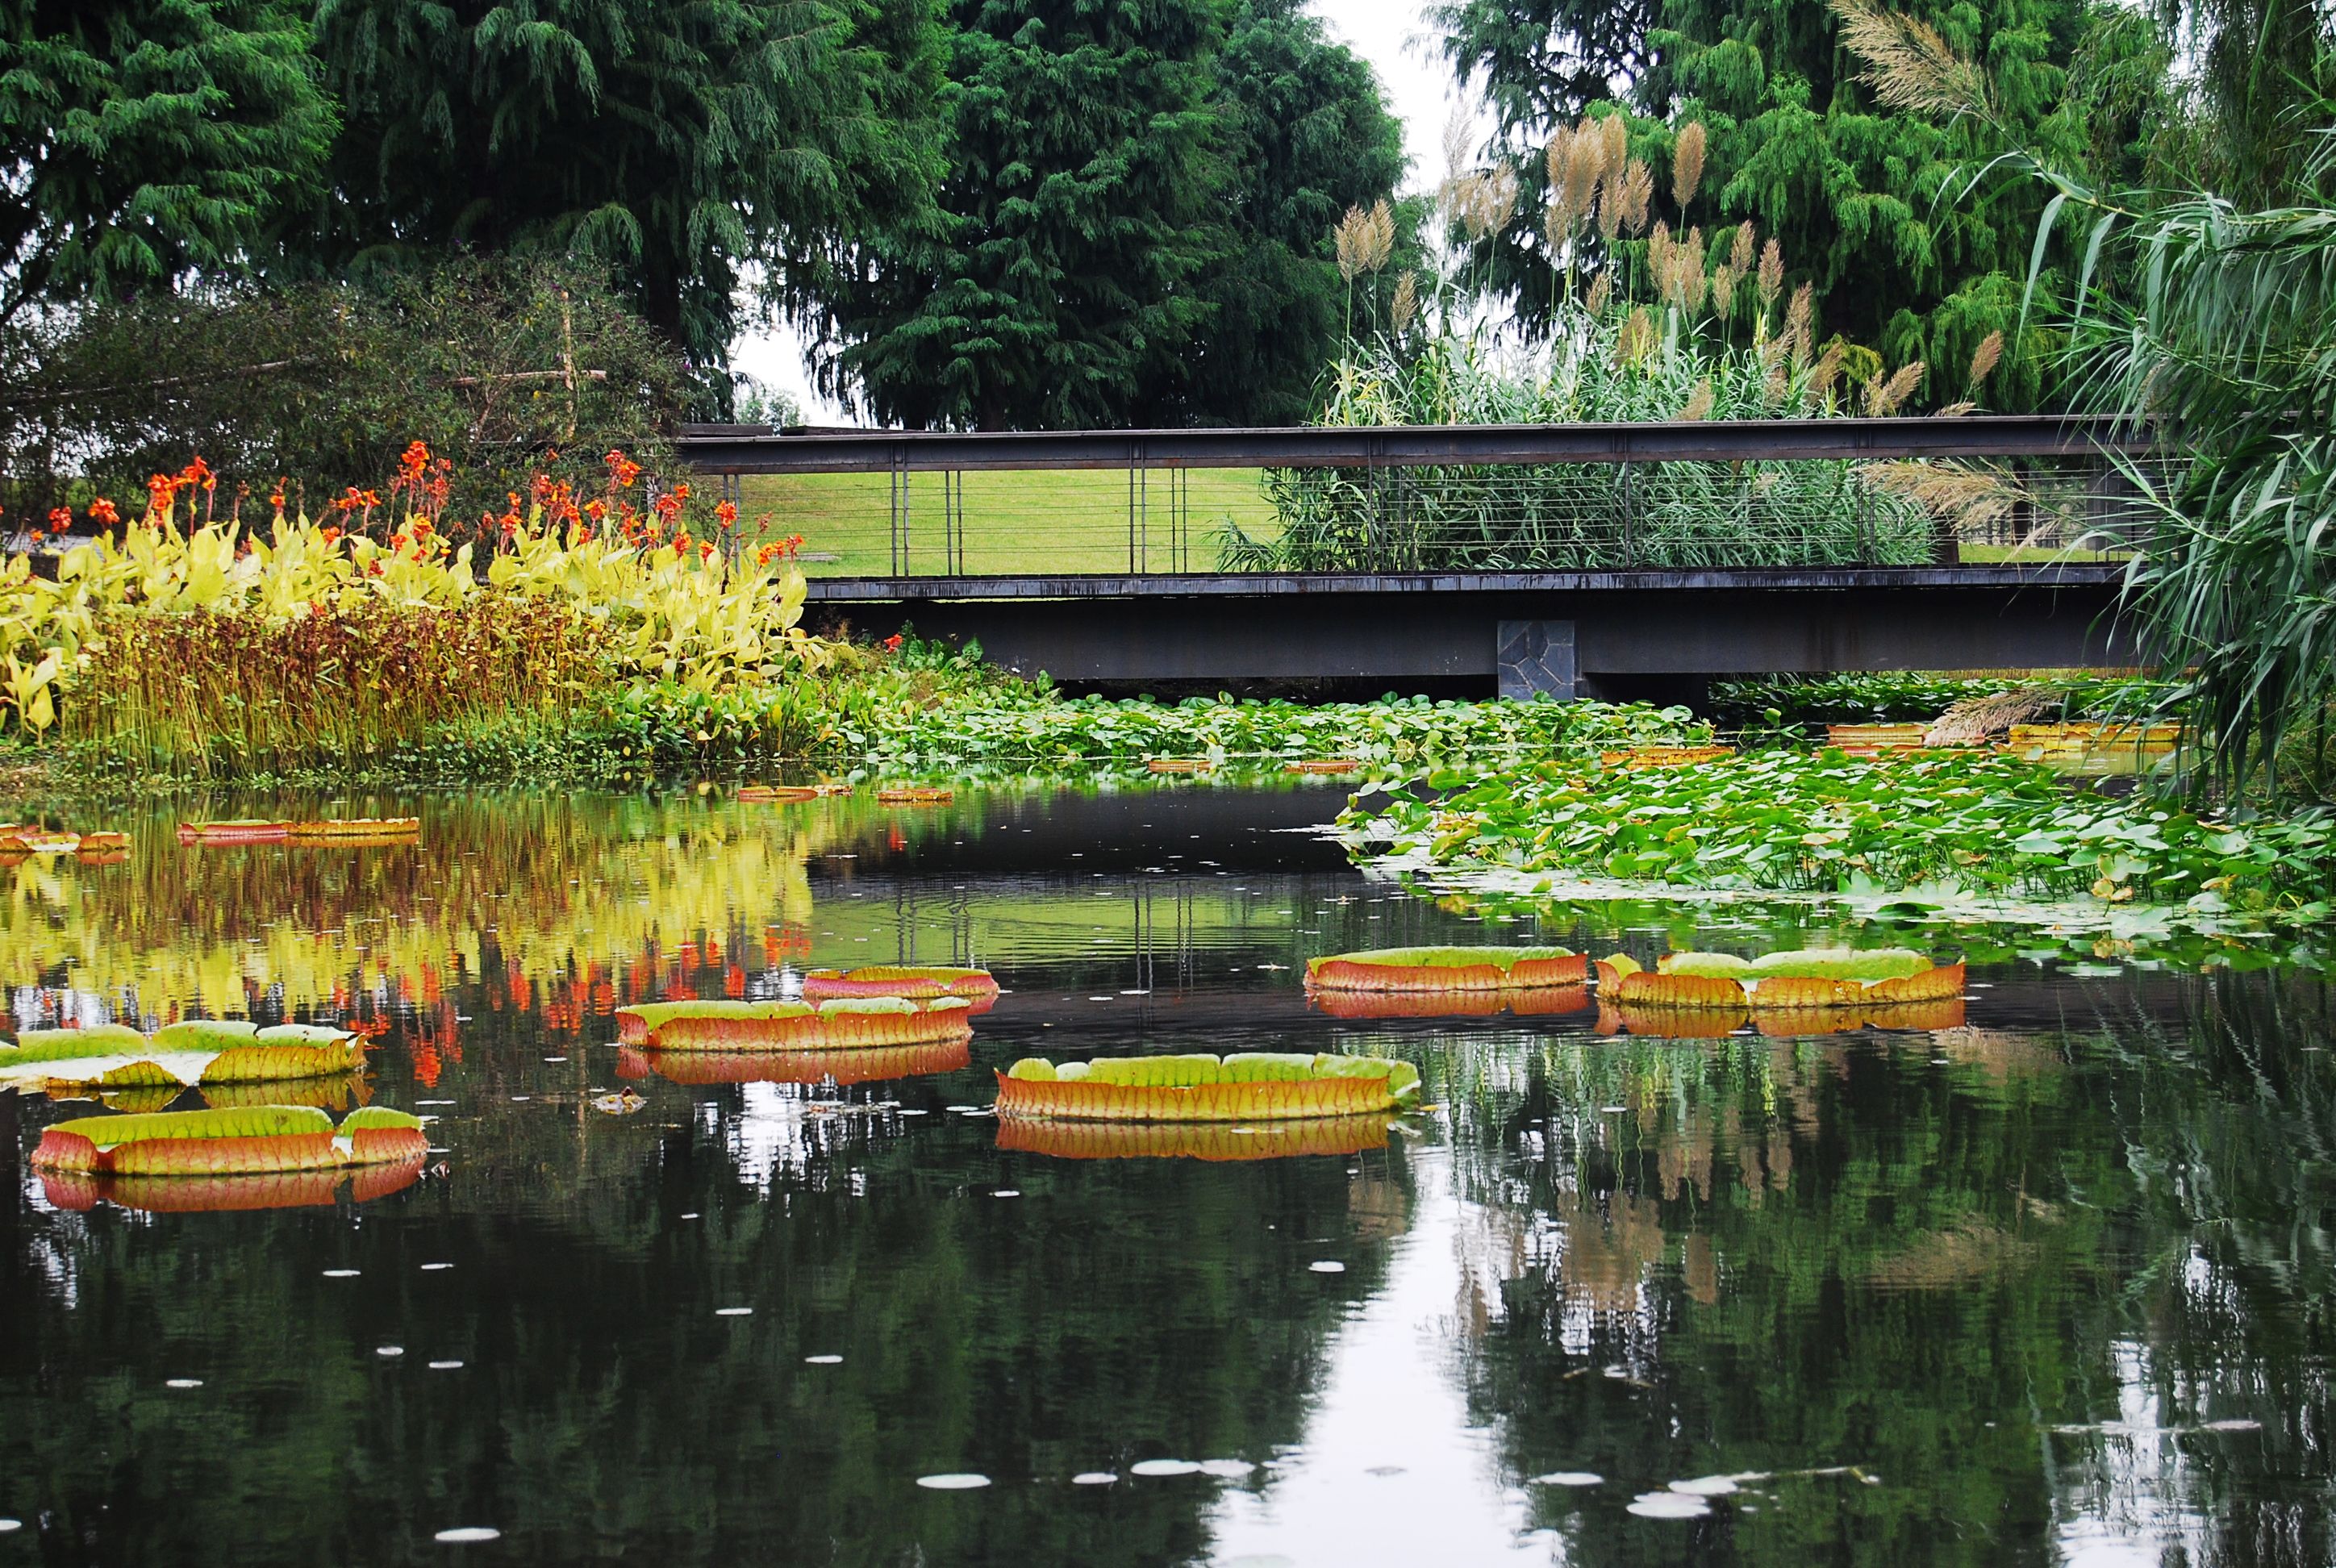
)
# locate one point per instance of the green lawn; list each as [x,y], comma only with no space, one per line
[1058,522]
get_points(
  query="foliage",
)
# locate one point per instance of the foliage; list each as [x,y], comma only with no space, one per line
[202,645]
[1307,138]
[499,366]
[1035,726]
[1795,821]
[2215,324]
[1075,221]
[691,147]
[146,138]
[1608,363]
[1859,194]
[1134,225]
[1903,696]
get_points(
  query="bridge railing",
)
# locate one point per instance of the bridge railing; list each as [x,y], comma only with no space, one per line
[1899,492]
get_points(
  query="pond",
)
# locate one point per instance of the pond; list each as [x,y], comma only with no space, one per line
[2046,1282]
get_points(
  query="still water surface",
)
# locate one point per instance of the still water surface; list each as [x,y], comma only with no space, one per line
[2048,1284]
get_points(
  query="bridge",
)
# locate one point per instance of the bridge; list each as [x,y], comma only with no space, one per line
[1569,561]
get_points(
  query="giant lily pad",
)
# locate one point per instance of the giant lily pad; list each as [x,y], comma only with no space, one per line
[224,1143]
[840,1066]
[177,1055]
[1446,969]
[1068,1140]
[1255,1088]
[1808,978]
[843,1024]
[919,984]
[217,1195]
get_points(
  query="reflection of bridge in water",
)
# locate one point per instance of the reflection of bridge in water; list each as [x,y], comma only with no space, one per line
[1565,560]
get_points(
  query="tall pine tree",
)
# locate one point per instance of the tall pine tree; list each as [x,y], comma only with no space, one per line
[145,139]
[1075,223]
[692,146]
[1135,228]
[1307,137]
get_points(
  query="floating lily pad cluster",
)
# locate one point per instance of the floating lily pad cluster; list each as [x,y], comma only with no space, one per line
[177,1055]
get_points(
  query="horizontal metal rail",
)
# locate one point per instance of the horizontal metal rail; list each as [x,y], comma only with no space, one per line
[755,449]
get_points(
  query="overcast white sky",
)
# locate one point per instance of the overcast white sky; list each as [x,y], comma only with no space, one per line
[1392,34]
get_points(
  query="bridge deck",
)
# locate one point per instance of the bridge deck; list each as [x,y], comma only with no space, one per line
[1524,632]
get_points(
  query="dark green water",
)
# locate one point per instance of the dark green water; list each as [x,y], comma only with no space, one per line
[2047,1285]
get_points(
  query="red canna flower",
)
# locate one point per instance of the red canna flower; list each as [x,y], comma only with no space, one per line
[60,519]
[726,513]
[101,511]
[892,643]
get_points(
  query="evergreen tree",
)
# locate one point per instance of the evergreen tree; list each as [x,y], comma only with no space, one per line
[692,145]
[1308,137]
[145,138]
[1863,201]
[1078,219]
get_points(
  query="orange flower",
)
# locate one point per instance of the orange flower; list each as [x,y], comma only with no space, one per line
[101,511]
[726,513]
[622,470]
[60,519]
[331,534]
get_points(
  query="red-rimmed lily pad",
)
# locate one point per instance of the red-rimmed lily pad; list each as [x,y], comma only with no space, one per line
[1262,1086]
[177,1055]
[1807,978]
[1445,970]
[238,831]
[776,794]
[221,1195]
[843,1024]
[927,983]
[915,795]
[1193,1140]
[224,1143]
[843,1067]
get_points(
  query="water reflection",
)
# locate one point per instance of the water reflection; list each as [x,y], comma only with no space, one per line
[2042,1276]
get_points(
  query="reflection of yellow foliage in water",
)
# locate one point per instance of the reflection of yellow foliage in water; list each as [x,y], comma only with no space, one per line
[511,886]
[1700,1267]
[1968,1251]
[1609,1250]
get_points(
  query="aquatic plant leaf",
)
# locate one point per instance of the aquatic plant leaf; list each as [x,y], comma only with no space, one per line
[1196,1088]
[1216,1141]
[228,1142]
[878,1064]
[854,1023]
[204,1034]
[303,1034]
[977,986]
[1435,969]
[61,1045]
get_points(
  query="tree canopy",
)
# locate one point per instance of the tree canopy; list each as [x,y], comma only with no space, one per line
[686,146]
[1864,200]
[142,139]
[1136,226]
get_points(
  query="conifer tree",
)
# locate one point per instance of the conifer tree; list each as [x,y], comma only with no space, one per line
[145,138]
[693,146]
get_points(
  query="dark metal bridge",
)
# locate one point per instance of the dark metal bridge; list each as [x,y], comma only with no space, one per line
[1568,560]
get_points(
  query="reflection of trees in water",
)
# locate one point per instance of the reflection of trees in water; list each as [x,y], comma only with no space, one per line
[1116,1310]
[1776,1255]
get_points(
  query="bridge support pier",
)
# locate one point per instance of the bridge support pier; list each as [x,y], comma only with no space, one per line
[1536,658]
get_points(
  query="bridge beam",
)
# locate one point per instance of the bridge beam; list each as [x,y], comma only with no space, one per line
[1459,626]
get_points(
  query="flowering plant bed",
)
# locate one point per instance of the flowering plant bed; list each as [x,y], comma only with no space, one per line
[978,987]
[1066,1139]
[1807,978]
[844,1025]
[1445,970]
[201,1051]
[262,1139]
[1259,1087]
[872,1066]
